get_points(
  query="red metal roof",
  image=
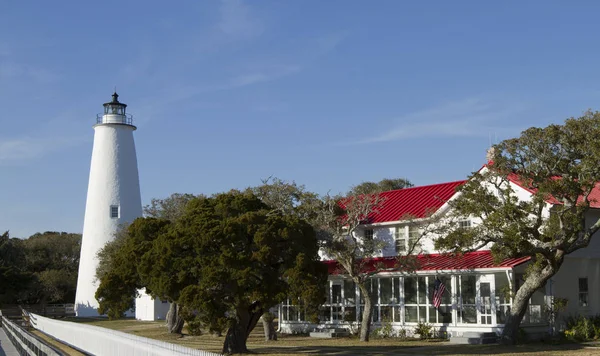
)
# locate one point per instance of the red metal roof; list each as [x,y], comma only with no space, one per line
[438,262]
[416,202]
[594,196]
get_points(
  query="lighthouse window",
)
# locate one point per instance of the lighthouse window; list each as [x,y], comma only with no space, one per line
[114,211]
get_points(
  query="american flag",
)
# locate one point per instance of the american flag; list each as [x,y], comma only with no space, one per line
[438,291]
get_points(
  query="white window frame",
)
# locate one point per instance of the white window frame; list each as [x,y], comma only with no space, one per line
[400,238]
[465,223]
[404,232]
[112,210]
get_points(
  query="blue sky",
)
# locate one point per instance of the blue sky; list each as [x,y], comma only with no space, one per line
[326,93]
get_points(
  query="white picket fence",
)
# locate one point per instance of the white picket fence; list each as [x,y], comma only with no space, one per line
[100,341]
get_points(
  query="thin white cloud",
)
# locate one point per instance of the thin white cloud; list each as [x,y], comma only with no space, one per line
[464,118]
[10,70]
[237,21]
[27,148]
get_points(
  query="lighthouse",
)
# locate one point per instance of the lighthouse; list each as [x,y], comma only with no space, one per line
[113,195]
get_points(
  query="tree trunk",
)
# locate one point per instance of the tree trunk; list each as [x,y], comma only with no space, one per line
[533,282]
[270,333]
[365,326]
[237,334]
[174,320]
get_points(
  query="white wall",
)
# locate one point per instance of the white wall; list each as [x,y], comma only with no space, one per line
[149,309]
[565,284]
[100,341]
[144,307]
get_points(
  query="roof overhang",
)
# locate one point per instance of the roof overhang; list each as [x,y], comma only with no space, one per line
[437,263]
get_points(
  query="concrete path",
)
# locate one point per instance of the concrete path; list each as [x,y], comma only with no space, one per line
[6,347]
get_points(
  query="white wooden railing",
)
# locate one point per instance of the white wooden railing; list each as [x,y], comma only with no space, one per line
[101,341]
[24,342]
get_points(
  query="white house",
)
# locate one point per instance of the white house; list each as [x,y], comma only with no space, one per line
[474,300]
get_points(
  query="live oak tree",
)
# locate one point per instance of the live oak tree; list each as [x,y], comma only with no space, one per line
[224,261]
[339,221]
[286,198]
[559,165]
[170,208]
[119,260]
[229,258]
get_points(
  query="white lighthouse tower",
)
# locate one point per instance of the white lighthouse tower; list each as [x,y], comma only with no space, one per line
[113,195]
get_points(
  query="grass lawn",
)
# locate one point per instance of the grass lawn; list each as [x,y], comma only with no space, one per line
[292,345]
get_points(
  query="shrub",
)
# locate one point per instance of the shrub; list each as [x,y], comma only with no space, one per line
[387,330]
[194,327]
[402,333]
[582,328]
[424,330]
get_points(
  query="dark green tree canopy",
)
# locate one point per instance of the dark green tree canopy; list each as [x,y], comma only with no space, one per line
[14,277]
[53,258]
[119,262]
[225,259]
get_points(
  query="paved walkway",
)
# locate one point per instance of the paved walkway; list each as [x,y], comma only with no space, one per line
[6,347]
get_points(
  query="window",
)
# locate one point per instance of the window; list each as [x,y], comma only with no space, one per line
[369,234]
[114,211]
[413,238]
[400,238]
[464,224]
[467,313]
[418,300]
[405,237]
[583,292]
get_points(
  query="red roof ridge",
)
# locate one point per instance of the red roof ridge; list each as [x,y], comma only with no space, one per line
[425,186]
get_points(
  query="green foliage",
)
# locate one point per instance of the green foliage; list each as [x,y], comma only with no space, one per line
[402,333]
[558,164]
[194,327]
[14,277]
[118,266]
[387,330]
[424,330]
[223,259]
[583,328]
[170,208]
[53,259]
[381,186]
[227,252]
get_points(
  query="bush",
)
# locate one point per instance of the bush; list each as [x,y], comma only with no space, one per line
[424,330]
[194,327]
[402,333]
[582,328]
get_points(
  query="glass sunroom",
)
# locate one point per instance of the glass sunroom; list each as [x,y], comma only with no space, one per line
[476,296]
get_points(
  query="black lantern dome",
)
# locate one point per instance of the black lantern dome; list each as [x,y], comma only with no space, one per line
[114,107]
